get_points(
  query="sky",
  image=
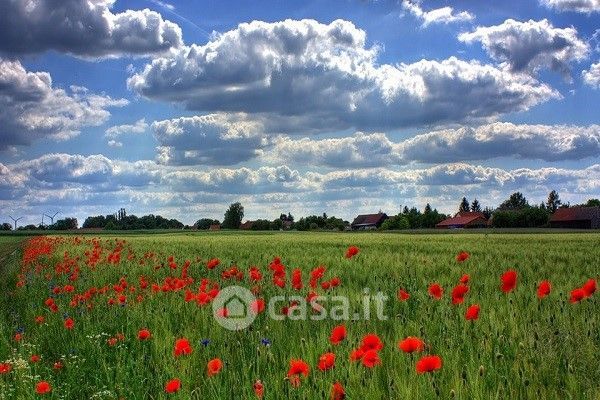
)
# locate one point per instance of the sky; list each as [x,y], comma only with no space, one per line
[180,108]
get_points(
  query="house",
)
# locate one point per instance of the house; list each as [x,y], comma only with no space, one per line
[246,225]
[368,221]
[576,217]
[464,220]
[214,227]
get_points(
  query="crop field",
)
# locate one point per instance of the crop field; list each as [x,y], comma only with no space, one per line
[465,316]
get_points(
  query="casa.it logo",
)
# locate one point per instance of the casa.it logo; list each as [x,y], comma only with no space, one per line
[232,308]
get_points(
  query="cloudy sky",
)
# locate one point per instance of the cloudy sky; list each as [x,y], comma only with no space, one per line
[182,107]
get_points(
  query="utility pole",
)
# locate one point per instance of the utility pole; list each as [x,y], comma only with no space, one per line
[15,220]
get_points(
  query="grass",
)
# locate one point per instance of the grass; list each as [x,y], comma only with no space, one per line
[520,347]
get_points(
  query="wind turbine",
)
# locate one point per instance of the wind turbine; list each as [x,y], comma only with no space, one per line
[15,220]
[51,217]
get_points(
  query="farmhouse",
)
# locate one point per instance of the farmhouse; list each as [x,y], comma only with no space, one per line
[576,217]
[214,227]
[464,220]
[246,225]
[368,221]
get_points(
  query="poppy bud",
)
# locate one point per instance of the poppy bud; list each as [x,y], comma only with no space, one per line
[481,370]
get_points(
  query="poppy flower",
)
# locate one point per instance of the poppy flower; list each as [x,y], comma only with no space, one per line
[112,341]
[297,368]
[472,312]
[43,387]
[326,361]
[543,289]
[509,281]
[458,293]
[5,368]
[212,263]
[35,358]
[182,347]
[57,366]
[351,252]
[338,334]
[464,279]
[371,342]
[144,334]
[356,354]
[435,291]
[69,323]
[39,319]
[371,358]
[214,366]
[428,364]
[411,344]
[257,306]
[589,287]
[338,392]
[462,256]
[173,386]
[259,389]
[18,337]
[577,295]
[403,295]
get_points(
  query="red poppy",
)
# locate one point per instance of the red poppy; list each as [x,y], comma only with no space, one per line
[214,366]
[39,319]
[371,342]
[338,334]
[297,279]
[35,358]
[326,361]
[411,344]
[509,281]
[371,358]
[458,293]
[589,287]
[111,342]
[464,279]
[577,295]
[297,368]
[212,263]
[144,334]
[428,364]
[352,251]
[338,392]
[462,256]
[57,366]
[544,289]
[69,323]
[182,347]
[403,295]
[173,386]
[257,306]
[356,354]
[5,368]
[259,389]
[472,312]
[436,291]
[43,387]
[18,337]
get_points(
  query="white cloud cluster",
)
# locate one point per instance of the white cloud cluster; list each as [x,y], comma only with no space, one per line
[582,6]
[31,108]
[591,76]
[115,131]
[443,15]
[272,70]
[83,28]
[530,46]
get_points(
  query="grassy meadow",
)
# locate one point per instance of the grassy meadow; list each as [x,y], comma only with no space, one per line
[520,347]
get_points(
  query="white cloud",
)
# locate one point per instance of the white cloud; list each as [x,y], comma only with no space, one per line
[164,4]
[269,70]
[591,76]
[530,46]
[443,15]
[83,28]
[32,108]
[582,6]
[115,131]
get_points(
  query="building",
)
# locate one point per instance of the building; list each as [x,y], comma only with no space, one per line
[368,221]
[214,227]
[576,218]
[246,225]
[464,220]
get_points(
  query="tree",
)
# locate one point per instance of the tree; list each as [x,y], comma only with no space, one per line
[394,223]
[593,203]
[475,206]
[516,201]
[487,212]
[553,201]
[205,223]
[233,216]
[464,205]
[64,224]
[6,227]
[427,209]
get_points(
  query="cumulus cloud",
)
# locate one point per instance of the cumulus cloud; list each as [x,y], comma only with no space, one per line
[443,15]
[83,28]
[591,76]
[269,70]
[31,108]
[115,131]
[530,46]
[582,6]
[215,139]
[543,142]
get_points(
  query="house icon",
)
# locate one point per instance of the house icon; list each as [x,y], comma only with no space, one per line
[236,307]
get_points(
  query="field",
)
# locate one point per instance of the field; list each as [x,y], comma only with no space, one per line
[95,295]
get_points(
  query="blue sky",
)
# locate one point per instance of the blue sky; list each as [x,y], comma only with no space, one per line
[179,108]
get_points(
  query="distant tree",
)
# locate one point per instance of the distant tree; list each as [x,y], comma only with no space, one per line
[64,224]
[405,210]
[516,201]
[593,203]
[98,221]
[6,227]
[233,216]
[276,224]
[261,225]
[427,209]
[553,201]
[290,217]
[464,205]
[475,206]
[396,222]
[205,223]
[487,212]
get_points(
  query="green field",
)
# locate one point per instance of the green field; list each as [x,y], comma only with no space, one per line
[521,347]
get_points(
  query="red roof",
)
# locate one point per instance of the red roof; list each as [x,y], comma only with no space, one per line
[575,214]
[463,218]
